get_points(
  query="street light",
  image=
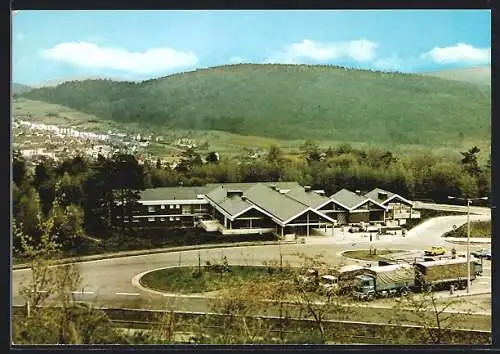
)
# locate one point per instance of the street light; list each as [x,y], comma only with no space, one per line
[468,200]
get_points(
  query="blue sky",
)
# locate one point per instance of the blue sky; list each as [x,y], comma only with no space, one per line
[137,45]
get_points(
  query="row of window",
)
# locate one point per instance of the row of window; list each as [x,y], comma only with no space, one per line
[171,218]
[152,208]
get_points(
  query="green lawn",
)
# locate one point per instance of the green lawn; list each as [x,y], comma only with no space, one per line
[477,229]
[426,214]
[366,256]
[188,280]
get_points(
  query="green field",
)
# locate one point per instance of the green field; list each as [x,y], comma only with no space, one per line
[292,103]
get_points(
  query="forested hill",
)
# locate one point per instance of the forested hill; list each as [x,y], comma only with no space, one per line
[19,88]
[291,102]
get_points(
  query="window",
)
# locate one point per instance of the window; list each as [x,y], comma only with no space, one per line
[151,219]
[171,206]
[177,206]
[151,208]
[177,218]
[162,219]
[135,220]
[171,218]
[163,206]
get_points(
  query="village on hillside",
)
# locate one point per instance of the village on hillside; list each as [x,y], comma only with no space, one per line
[38,141]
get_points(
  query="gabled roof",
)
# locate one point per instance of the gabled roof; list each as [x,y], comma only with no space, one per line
[351,200]
[277,204]
[310,199]
[261,197]
[171,193]
[231,205]
[348,199]
[374,195]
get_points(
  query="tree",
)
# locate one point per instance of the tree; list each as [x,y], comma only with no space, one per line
[29,212]
[470,161]
[189,158]
[127,179]
[19,172]
[50,283]
[212,157]
[435,317]
[310,150]
[68,190]
[98,201]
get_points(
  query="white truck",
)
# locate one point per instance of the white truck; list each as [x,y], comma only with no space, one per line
[340,281]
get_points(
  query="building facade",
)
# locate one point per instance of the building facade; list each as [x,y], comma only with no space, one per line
[283,208]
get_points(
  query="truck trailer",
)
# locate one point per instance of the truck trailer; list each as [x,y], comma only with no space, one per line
[399,279]
[444,273]
[383,281]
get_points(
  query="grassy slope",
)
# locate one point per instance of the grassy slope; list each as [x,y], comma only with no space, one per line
[226,143]
[293,102]
[477,229]
[477,75]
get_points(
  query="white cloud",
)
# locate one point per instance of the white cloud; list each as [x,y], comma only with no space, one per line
[460,53]
[92,56]
[238,60]
[359,50]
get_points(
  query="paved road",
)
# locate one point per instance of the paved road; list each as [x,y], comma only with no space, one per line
[109,281]
[448,207]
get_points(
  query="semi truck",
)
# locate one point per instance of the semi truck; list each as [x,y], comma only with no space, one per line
[383,281]
[399,279]
[340,281]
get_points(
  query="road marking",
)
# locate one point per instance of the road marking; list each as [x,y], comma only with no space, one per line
[39,291]
[82,292]
[129,294]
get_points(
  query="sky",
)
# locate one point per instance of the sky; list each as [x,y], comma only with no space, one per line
[138,45]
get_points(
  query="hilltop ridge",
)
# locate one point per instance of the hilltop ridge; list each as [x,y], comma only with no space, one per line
[291,102]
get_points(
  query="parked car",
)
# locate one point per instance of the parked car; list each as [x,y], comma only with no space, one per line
[482,253]
[435,251]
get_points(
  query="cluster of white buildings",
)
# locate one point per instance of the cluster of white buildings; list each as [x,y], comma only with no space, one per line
[61,132]
[185,142]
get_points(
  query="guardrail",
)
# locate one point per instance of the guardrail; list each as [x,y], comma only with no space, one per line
[373,333]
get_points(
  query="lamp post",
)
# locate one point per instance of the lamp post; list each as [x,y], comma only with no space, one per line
[469,201]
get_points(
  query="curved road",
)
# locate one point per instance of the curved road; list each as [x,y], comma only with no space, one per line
[109,281]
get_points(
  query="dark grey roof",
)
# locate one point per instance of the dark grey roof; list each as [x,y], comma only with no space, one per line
[347,198]
[232,205]
[246,185]
[374,194]
[311,199]
[171,193]
[274,202]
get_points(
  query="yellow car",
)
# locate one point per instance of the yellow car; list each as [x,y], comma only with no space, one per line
[435,251]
